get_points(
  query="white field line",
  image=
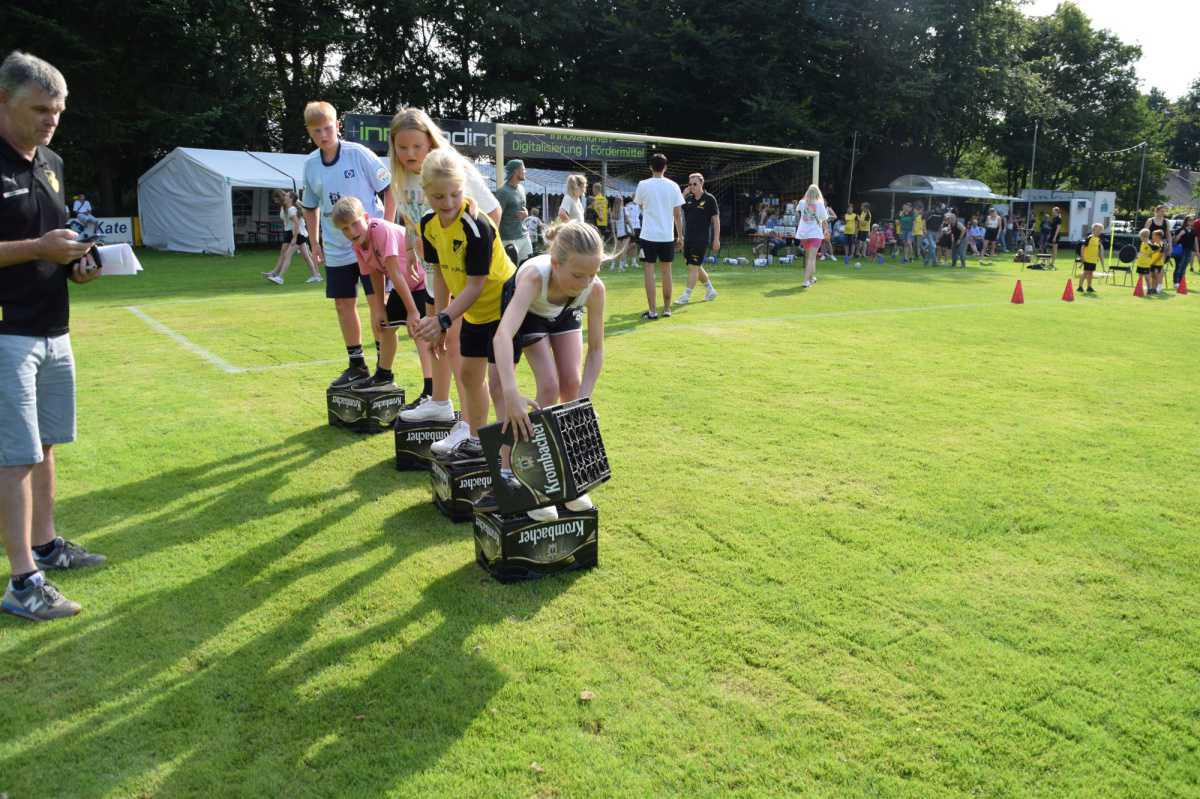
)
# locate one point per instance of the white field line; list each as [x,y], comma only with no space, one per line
[758,320]
[212,358]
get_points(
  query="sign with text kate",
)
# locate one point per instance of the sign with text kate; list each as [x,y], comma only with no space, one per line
[476,139]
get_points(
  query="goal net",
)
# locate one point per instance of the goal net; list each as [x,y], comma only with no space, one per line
[756,187]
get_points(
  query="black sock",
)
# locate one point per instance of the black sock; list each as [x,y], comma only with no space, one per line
[45,549]
[383,374]
[356,356]
[18,580]
[427,389]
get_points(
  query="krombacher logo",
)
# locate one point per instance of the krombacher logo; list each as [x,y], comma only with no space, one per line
[441,482]
[550,532]
[346,402]
[488,529]
[422,436]
[389,402]
[545,458]
[469,483]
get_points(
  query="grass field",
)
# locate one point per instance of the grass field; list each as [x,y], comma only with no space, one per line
[891,536]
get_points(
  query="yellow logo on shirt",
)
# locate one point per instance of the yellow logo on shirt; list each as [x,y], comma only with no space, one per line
[52,179]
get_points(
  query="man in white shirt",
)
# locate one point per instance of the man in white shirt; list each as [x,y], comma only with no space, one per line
[81,215]
[334,170]
[660,201]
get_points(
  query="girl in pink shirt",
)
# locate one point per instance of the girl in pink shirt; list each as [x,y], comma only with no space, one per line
[381,252]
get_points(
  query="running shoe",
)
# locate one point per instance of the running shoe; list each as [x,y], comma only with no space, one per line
[459,433]
[683,298]
[650,315]
[420,400]
[711,294]
[39,600]
[467,448]
[580,503]
[429,411]
[67,555]
[349,376]
[546,514]
[276,279]
[314,279]
[666,312]
[374,383]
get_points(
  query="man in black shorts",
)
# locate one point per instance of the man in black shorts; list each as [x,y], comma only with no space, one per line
[700,217]
[662,230]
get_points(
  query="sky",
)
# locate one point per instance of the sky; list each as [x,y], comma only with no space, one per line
[1170,64]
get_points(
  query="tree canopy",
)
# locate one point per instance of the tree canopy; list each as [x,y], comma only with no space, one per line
[947,87]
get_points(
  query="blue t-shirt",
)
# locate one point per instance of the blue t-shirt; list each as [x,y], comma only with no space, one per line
[354,172]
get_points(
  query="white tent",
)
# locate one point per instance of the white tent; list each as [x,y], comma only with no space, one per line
[187,200]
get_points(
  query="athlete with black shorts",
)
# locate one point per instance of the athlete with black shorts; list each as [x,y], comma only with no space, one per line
[701,216]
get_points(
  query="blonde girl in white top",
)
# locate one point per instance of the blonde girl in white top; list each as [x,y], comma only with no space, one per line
[571,209]
[296,238]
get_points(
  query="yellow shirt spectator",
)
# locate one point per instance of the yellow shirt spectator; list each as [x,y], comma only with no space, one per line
[600,206]
[919,225]
[851,222]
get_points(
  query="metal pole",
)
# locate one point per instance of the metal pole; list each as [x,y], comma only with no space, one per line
[850,183]
[1028,180]
[1141,172]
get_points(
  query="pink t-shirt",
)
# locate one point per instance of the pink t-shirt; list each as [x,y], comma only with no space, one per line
[383,241]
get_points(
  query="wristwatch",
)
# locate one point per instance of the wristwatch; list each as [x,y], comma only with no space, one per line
[444,320]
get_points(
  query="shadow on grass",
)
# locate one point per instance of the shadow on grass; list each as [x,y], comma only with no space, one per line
[240,700]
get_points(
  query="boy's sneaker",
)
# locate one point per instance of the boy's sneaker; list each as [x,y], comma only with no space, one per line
[666,312]
[39,600]
[276,279]
[420,400]
[683,298]
[67,555]
[429,411]
[806,284]
[649,315]
[546,514]
[459,433]
[352,374]
[467,449]
[580,503]
[374,383]
[314,279]
[711,294]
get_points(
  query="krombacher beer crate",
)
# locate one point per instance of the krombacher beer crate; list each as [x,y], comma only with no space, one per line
[456,484]
[364,411]
[413,440]
[514,547]
[564,458]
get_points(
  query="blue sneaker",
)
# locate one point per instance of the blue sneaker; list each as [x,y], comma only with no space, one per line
[39,600]
[67,555]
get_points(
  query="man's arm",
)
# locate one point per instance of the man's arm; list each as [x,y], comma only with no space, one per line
[716,232]
[678,215]
[58,245]
[314,234]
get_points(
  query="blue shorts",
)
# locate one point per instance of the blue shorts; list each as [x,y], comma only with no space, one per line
[37,397]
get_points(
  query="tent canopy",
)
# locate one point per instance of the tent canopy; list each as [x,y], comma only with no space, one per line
[927,186]
[186,199]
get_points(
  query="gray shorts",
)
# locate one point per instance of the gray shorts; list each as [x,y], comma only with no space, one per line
[37,397]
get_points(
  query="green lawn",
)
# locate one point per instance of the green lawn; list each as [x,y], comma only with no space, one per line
[890,536]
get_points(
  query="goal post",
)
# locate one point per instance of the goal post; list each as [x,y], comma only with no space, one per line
[754,185]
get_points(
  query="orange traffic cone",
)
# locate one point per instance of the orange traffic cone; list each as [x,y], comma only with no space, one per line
[1138,290]
[1069,292]
[1182,285]
[1018,296]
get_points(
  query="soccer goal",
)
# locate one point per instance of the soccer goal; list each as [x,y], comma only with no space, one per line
[754,185]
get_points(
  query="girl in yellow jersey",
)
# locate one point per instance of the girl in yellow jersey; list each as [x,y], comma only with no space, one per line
[1091,253]
[470,268]
[864,228]
[851,230]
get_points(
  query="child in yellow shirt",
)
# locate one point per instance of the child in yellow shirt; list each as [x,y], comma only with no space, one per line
[1091,253]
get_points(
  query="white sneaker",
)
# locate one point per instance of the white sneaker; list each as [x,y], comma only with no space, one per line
[580,503]
[276,279]
[431,411]
[683,298]
[806,284]
[547,514]
[313,279]
[458,434]
[711,294]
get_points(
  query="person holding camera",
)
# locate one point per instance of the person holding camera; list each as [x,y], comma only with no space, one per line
[38,254]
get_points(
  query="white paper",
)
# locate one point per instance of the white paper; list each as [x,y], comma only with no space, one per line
[118,259]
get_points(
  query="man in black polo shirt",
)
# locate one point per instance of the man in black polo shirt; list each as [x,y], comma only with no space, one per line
[700,213]
[37,371]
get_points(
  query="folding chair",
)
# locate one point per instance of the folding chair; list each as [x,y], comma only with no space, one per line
[1125,257]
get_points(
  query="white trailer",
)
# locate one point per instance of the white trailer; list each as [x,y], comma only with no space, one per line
[1080,209]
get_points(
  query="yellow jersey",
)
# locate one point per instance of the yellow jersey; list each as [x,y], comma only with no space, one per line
[851,220]
[918,225]
[1091,250]
[1149,255]
[600,206]
[864,221]
[469,246]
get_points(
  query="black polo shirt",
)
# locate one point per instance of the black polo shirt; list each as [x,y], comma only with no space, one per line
[697,216]
[33,295]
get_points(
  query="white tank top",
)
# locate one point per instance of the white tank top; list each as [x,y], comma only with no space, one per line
[541,305]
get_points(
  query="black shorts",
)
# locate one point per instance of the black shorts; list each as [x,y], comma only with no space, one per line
[637,235]
[991,234]
[862,236]
[397,314]
[1143,270]
[693,252]
[533,327]
[475,341]
[340,282]
[657,251]
[1089,267]
[300,240]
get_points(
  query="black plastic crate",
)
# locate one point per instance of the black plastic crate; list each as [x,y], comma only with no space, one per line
[413,440]
[365,411]
[457,484]
[513,547]
[564,458]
